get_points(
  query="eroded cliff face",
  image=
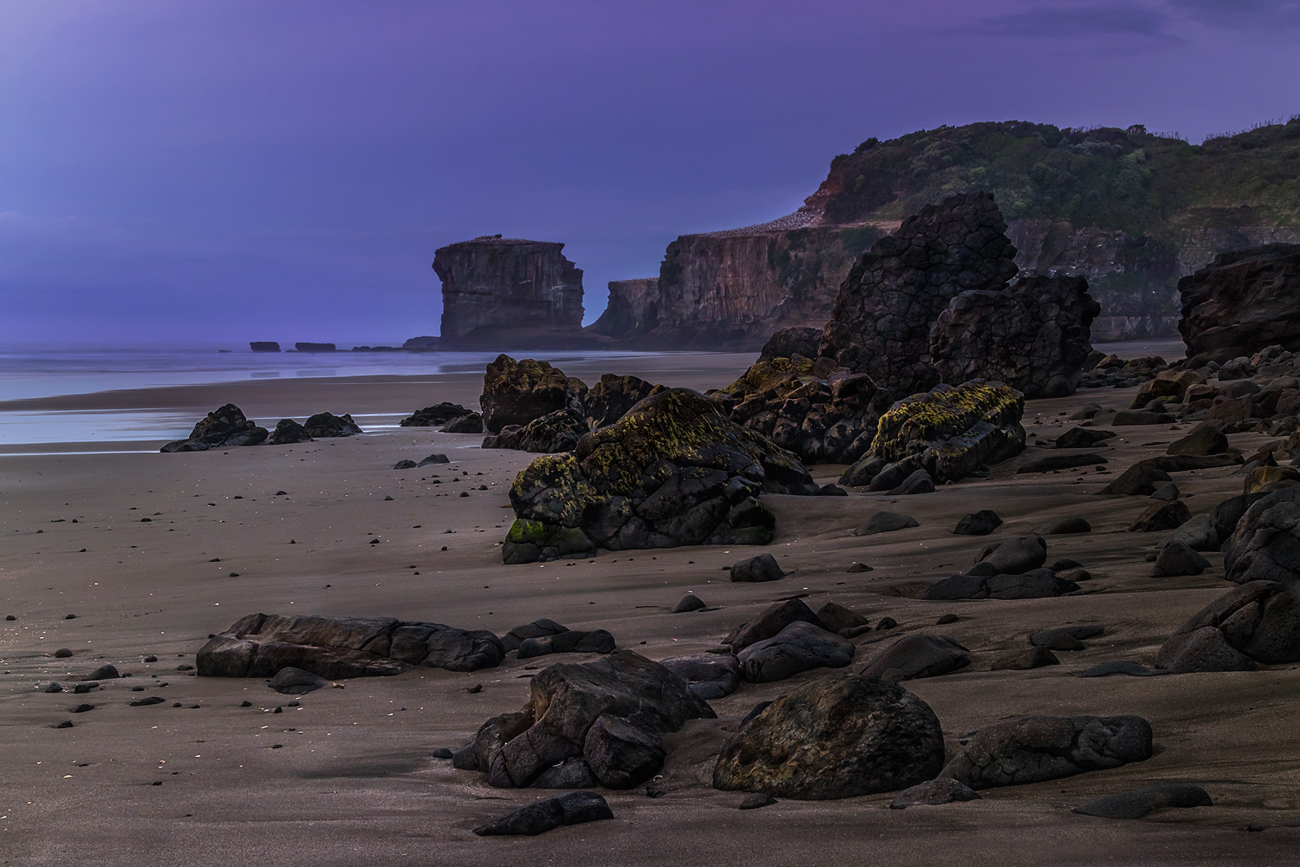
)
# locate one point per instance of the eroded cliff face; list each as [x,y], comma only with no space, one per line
[632,308]
[503,291]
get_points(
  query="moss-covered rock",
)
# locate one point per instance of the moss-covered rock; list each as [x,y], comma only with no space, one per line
[557,431]
[673,471]
[949,431]
[516,392]
[530,541]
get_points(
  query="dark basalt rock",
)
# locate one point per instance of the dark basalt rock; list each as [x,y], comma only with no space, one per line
[757,569]
[1015,556]
[789,342]
[108,671]
[469,423]
[324,425]
[288,431]
[673,471]
[713,675]
[554,432]
[917,656]
[689,602]
[1177,558]
[634,699]
[1161,515]
[611,398]
[259,645]
[1140,802]
[836,737]
[1182,463]
[771,621]
[1242,302]
[1081,632]
[949,432]
[799,647]
[885,522]
[516,392]
[1039,748]
[1035,657]
[569,641]
[1256,622]
[1064,527]
[1265,545]
[295,681]
[1204,439]
[1035,584]
[539,628]
[933,794]
[838,618]
[432,416]
[979,523]
[541,816]
[1083,438]
[224,427]
[1137,480]
[434,459]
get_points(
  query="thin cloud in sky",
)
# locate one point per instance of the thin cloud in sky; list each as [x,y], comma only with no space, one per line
[1074,21]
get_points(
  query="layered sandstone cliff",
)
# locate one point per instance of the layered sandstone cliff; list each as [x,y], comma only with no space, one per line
[500,292]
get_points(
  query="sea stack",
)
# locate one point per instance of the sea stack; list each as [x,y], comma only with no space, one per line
[506,292]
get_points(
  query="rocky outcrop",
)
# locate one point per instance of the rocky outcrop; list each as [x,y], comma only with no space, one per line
[324,425]
[1265,545]
[673,471]
[554,432]
[611,398]
[224,427]
[1243,302]
[632,309]
[259,645]
[432,416]
[507,292]
[517,392]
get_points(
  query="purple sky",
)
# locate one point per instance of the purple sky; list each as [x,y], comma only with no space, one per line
[227,170]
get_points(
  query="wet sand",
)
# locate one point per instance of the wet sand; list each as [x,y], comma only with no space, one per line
[346,777]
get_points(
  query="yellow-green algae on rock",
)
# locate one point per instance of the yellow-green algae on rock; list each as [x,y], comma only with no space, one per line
[673,471]
[767,373]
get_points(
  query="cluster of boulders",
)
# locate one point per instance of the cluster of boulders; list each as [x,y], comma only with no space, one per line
[452,417]
[226,427]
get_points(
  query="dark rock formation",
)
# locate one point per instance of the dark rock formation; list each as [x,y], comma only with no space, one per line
[1265,545]
[1039,748]
[885,522]
[574,808]
[469,423]
[537,629]
[315,347]
[757,569]
[432,416]
[517,392]
[288,431]
[264,346]
[295,681]
[554,432]
[713,675]
[611,398]
[799,647]
[568,641]
[1242,302]
[949,432]
[673,471]
[259,645]
[915,656]
[1256,622]
[324,425]
[507,292]
[770,622]
[979,523]
[883,315]
[1034,584]
[224,427]
[836,737]
[608,714]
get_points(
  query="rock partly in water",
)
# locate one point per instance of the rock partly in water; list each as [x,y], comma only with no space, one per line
[288,431]
[673,471]
[432,416]
[836,737]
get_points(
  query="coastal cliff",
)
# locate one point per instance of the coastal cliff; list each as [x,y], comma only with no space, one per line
[508,292]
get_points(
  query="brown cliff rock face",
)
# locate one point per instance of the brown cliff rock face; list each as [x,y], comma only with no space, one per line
[1243,302]
[632,308]
[504,291]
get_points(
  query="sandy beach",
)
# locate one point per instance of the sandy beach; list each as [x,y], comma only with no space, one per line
[128,556]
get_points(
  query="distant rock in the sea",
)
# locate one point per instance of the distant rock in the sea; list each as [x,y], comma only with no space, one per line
[315,347]
[423,344]
[224,427]
[1243,302]
[264,346]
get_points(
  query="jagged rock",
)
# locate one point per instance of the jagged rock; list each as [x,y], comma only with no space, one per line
[789,342]
[933,794]
[324,425]
[885,522]
[288,431]
[673,471]
[771,621]
[757,569]
[620,754]
[1178,558]
[1228,513]
[1064,527]
[1256,622]
[469,423]
[569,641]
[630,310]
[979,523]
[1137,480]
[1242,302]
[1204,439]
[1056,463]
[575,808]
[1140,802]
[799,647]
[259,645]
[432,416]
[554,432]
[838,618]
[565,702]
[1083,438]
[1035,584]
[539,628]
[224,427]
[517,392]
[1265,545]
[1161,516]
[1039,748]
[507,292]
[690,602]
[713,675]
[1033,335]
[1014,556]
[836,737]
[295,681]
[916,656]
[611,398]
[949,432]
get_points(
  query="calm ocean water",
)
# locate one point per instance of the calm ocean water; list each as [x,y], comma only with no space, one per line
[48,371]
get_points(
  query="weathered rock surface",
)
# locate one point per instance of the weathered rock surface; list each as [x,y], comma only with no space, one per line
[979,523]
[469,423]
[1265,544]
[1256,622]
[1056,463]
[432,416]
[1039,748]
[710,676]
[838,618]
[295,681]
[771,621]
[799,647]
[1015,556]
[516,392]
[630,310]
[1178,558]
[568,641]
[757,569]
[1137,480]
[611,398]
[539,628]
[1083,438]
[836,737]
[554,432]
[1204,439]
[1161,515]
[324,425]
[1034,584]
[224,427]
[259,645]
[634,700]
[574,808]
[916,656]
[673,471]
[506,292]
[1242,302]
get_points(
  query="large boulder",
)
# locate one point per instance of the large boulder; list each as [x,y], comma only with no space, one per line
[799,647]
[1242,302]
[554,432]
[324,425]
[516,392]
[673,471]
[611,398]
[224,427]
[1265,541]
[835,737]
[1039,748]
[287,431]
[1256,622]
[917,656]
[608,714]
[259,645]
[1034,335]
[949,432]
[770,622]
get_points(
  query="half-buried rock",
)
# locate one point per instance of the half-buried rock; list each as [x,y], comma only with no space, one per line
[836,737]
[801,646]
[771,621]
[673,471]
[574,808]
[916,656]
[604,718]
[569,641]
[1140,802]
[295,681]
[259,645]
[885,522]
